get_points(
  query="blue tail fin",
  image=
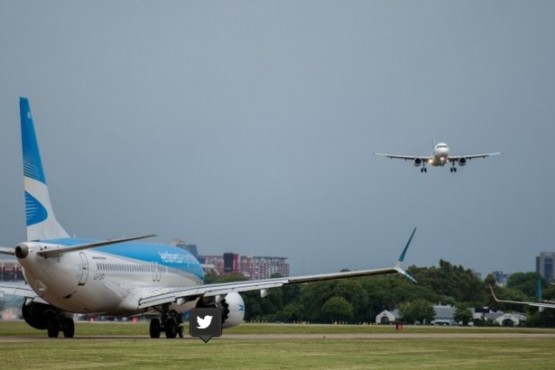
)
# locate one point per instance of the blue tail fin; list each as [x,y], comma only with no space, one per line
[41,221]
[539,289]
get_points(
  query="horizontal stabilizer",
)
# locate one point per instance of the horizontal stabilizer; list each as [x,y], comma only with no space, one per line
[7,250]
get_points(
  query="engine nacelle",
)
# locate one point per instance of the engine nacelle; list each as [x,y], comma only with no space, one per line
[417,162]
[462,161]
[236,310]
[38,315]
[232,307]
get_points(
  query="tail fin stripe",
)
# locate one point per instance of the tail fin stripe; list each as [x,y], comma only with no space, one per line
[34,210]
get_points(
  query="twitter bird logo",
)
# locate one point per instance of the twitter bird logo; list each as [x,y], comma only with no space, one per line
[203,323]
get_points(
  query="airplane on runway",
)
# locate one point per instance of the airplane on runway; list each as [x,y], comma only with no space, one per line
[439,157]
[119,277]
[541,304]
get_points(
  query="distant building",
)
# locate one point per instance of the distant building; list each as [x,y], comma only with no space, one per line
[500,277]
[213,264]
[544,265]
[256,267]
[231,263]
[510,319]
[444,315]
[264,267]
[191,248]
[387,317]
[10,270]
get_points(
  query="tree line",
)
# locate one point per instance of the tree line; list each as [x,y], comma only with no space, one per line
[359,300]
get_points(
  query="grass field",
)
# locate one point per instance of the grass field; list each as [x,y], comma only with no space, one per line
[126,346]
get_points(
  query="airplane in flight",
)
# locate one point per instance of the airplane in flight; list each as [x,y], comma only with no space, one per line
[119,277]
[540,304]
[439,157]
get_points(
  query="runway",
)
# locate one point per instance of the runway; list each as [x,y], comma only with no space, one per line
[308,337]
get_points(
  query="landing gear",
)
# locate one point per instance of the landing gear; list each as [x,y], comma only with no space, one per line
[423,170]
[65,325]
[453,169]
[155,328]
[68,327]
[170,323]
[53,329]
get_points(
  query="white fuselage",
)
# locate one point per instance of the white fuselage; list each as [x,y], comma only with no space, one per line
[101,281]
[440,155]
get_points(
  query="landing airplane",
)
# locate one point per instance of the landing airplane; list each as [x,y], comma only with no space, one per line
[440,157]
[119,277]
[541,304]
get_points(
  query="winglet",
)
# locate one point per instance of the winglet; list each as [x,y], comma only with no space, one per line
[493,294]
[398,265]
[402,256]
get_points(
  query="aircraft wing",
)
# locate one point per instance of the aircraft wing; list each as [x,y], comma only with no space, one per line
[533,304]
[210,290]
[405,157]
[20,289]
[456,158]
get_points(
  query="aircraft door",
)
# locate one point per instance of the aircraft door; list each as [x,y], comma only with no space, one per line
[84,269]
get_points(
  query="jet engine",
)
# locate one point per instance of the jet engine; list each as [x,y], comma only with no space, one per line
[46,317]
[232,307]
[37,315]
[417,162]
[462,161]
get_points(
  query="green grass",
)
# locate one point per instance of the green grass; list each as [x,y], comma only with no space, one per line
[129,348]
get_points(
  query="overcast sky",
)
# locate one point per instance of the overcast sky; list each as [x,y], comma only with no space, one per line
[249,126]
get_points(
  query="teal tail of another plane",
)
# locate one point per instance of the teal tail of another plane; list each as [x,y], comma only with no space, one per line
[41,221]
[539,290]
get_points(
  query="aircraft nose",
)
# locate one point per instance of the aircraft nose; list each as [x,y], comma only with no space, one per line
[21,251]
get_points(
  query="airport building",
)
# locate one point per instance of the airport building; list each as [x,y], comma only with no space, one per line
[257,267]
[544,265]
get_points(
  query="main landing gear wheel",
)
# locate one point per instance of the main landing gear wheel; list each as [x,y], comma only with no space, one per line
[171,329]
[65,325]
[53,329]
[154,328]
[68,327]
[170,322]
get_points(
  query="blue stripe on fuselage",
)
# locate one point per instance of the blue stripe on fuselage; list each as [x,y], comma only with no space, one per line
[161,254]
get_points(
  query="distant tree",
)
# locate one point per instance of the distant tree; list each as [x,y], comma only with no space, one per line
[292,312]
[312,298]
[549,292]
[337,309]
[417,311]
[212,278]
[525,282]
[463,314]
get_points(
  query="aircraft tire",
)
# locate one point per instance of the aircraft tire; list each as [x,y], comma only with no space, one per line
[154,329]
[171,329]
[53,329]
[68,328]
